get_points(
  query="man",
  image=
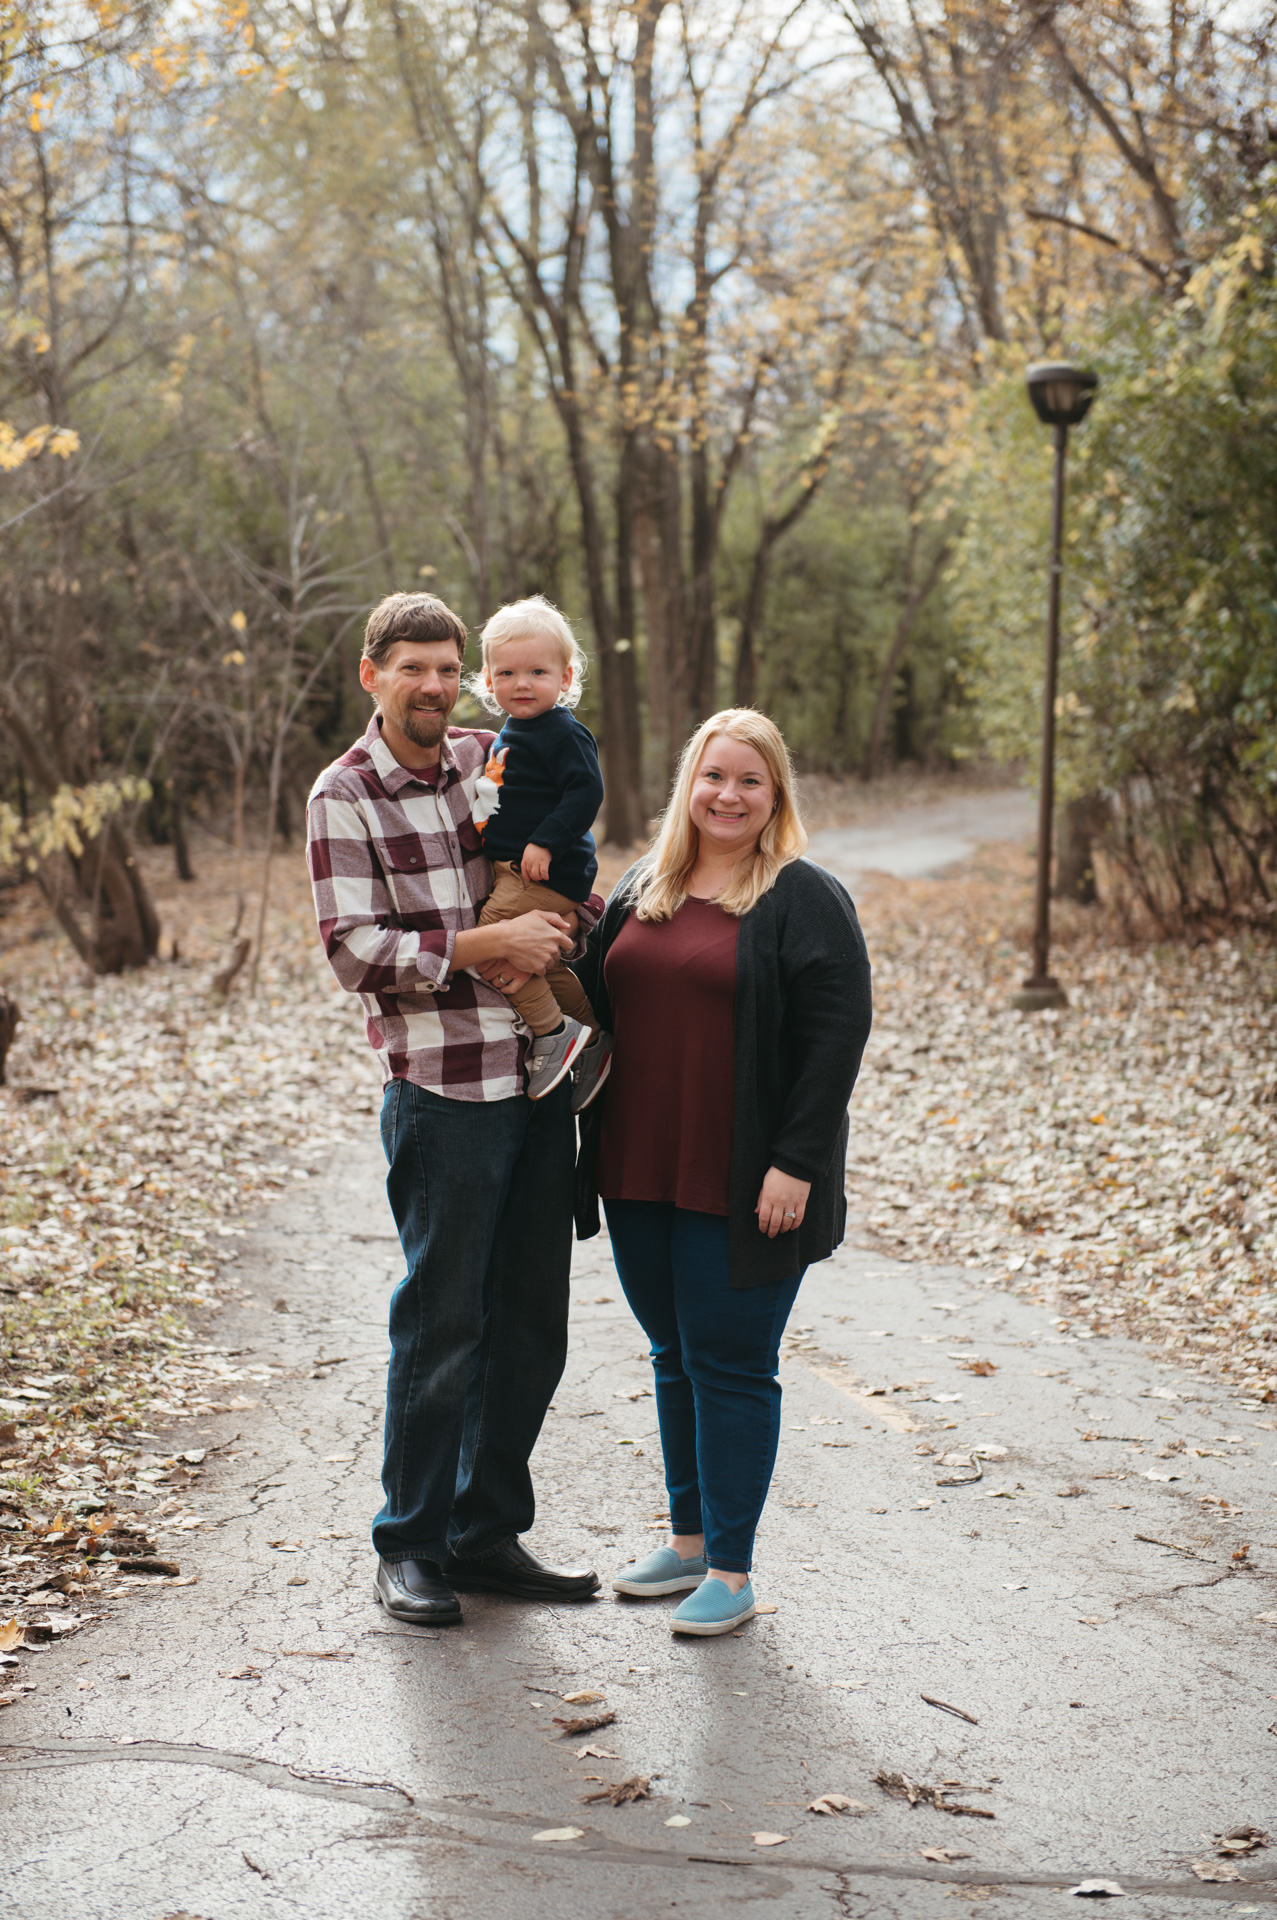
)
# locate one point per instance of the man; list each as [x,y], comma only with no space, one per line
[480,1178]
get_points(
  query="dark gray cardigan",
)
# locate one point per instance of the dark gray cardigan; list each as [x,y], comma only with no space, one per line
[803,1012]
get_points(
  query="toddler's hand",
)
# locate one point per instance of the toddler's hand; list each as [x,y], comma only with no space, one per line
[536,865]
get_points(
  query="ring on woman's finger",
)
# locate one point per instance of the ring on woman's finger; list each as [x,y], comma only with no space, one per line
[791,1214]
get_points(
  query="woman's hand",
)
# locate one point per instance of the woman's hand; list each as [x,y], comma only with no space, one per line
[504,976]
[782,1203]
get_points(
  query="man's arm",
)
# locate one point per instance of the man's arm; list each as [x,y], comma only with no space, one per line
[528,944]
[353,905]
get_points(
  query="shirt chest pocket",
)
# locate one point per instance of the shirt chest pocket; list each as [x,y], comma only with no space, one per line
[407,875]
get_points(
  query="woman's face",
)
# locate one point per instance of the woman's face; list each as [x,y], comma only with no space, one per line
[732,796]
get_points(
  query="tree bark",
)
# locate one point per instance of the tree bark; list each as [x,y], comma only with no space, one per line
[1079,823]
[915,595]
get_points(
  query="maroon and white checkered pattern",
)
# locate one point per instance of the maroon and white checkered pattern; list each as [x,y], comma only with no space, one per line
[399,870]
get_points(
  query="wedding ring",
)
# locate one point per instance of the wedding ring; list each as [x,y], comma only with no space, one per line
[791,1214]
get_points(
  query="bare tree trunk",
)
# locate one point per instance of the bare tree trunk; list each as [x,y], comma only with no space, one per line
[1079,823]
[177,818]
[9,1018]
[915,595]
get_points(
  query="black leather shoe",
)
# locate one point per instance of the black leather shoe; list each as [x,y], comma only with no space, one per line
[512,1569]
[416,1590]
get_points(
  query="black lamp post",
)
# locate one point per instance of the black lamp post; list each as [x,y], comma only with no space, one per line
[1061,396]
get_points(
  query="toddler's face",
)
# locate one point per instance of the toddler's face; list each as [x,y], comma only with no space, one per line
[527,676]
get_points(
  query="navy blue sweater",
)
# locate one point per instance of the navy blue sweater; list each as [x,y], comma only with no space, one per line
[550,797]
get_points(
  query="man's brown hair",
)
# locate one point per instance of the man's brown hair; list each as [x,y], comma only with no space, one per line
[410,616]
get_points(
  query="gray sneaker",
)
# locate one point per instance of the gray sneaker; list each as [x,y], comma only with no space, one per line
[553,1056]
[592,1067]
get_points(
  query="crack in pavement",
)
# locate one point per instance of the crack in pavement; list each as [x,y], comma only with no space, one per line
[267,1773]
[275,1774]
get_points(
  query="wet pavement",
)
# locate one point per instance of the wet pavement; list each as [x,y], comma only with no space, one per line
[268,1742]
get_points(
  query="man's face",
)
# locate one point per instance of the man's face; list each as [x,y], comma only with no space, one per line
[416,687]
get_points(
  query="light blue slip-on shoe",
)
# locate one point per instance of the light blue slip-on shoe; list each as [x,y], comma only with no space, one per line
[713,1608]
[661,1572]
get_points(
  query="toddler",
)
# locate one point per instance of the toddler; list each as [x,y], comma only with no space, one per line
[536,802]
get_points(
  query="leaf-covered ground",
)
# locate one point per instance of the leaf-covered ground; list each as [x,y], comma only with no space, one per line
[141,1118]
[1116,1158]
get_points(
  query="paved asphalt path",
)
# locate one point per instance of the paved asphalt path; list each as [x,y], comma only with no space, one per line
[913,842]
[1079,1602]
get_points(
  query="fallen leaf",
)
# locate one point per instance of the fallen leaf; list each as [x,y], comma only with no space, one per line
[945,1855]
[637,1787]
[1221,1872]
[596,1753]
[10,1635]
[836,1803]
[678,1820]
[239,1673]
[558,1833]
[1242,1840]
[169,1567]
[1099,1890]
[583,1699]
[968,1471]
[1269,1619]
[766,1607]
[585,1723]
[770,1839]
[983,1367]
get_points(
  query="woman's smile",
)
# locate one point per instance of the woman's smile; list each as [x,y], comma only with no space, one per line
[732,797]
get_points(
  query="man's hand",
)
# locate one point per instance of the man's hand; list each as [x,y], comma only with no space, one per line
[782,1203]
[535,941]
[535,866]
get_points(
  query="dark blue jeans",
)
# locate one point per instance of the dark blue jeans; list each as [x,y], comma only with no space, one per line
[715,1352]
[482,1198]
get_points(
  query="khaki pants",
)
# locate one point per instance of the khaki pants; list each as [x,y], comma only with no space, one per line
[542,1003]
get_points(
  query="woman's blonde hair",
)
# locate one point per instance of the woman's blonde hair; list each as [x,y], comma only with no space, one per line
[533,619]
[659,887]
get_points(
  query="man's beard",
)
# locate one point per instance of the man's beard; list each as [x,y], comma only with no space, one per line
[424,726]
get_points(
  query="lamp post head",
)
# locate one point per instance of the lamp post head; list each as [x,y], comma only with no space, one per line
[1061,393]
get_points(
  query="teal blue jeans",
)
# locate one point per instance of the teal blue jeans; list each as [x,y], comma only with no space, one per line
[715,1353]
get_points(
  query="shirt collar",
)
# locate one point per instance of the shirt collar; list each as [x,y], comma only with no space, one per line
[394,777]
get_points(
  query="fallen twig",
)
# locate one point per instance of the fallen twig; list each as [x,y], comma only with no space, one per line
[1151,1540]
[946,1708]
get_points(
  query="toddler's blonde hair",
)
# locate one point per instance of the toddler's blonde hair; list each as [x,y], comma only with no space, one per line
[533,618]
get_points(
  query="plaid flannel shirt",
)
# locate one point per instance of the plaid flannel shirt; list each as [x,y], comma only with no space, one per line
[398,870]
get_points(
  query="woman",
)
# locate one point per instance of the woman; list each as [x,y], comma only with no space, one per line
[734,977]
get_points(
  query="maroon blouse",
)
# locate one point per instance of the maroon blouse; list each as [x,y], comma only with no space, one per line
[668,1114]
